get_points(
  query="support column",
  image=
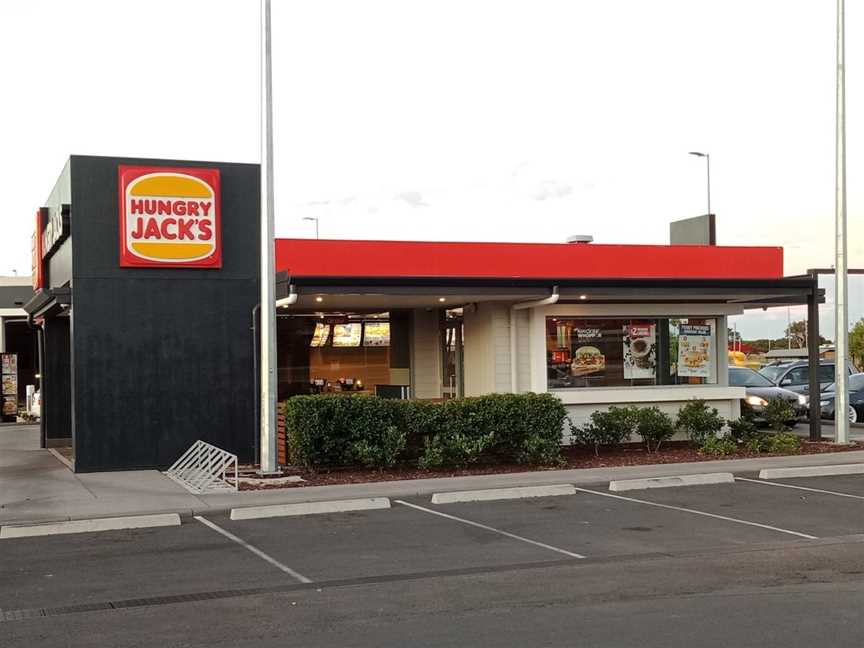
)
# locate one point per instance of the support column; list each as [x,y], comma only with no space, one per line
[56,381]
[813,361]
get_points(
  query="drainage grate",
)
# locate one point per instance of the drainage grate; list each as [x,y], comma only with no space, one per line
[21,615]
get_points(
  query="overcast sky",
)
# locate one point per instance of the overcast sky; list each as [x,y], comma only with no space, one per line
[521,120]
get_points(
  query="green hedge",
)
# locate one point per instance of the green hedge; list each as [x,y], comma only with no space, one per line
[342,430]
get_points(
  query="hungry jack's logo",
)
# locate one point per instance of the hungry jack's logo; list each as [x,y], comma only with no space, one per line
[169,217]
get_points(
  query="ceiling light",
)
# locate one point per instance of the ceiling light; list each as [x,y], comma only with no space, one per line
[442,299]
[319,299]
[583,296]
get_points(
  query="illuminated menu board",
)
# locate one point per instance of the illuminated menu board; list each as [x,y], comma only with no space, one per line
[319,337]
[347,335]
[377,334]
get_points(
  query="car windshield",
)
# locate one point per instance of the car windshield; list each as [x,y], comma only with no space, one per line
[744,377]
[855,383]
[772,373]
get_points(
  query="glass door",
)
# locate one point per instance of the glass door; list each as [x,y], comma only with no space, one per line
[452,332]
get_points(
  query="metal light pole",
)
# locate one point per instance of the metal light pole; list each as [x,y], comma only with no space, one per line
[313,218]
[841,315]
[707,157]
[267,250]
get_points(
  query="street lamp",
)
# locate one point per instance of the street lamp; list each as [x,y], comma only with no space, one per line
[268,378]
[841,288]
[708,165]
[313,218]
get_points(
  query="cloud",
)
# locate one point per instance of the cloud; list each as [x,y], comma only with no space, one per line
[551,189]
[413,198]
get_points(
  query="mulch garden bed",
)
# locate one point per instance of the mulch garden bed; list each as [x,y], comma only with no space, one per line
[632,454]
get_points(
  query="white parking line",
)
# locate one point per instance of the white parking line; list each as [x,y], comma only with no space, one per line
[492,529]
[803,488]
[697,512]
[255,550]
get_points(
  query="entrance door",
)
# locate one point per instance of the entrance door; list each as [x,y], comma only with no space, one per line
[452,332]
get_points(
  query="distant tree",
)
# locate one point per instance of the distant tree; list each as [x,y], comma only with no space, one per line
[797,333]
[856,342]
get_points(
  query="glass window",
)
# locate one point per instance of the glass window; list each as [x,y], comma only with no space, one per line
[796,376]
[772,373]
[744,377]
[855,383]
[605,352]
[826,373]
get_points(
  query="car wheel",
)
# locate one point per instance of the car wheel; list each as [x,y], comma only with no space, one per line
[853,415]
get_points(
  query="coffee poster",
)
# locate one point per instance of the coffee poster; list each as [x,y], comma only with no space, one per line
[640,351]
[694,350]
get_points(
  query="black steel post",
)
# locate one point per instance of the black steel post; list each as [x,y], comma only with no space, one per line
[255,431]
[813,360]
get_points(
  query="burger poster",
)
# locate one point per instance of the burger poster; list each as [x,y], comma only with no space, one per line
[694,350]
[588,360]
[169,217]
[640,351]
[9,383]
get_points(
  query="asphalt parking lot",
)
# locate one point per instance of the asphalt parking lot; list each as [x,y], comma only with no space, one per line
[213,560]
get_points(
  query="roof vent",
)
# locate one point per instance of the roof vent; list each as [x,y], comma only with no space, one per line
[580,238]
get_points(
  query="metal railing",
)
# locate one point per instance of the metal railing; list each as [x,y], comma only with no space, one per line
[205,468]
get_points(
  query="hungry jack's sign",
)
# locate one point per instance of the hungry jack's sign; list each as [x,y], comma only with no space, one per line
[170,217]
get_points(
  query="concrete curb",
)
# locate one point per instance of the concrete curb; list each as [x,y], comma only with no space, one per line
[310,508]
[811,471]
[492,494]
[669,482]
[63,509]
[90,526]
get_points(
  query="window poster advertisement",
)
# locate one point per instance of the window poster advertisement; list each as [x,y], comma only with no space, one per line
[10,405]
[9,383]
[588,359]
[9,363]
[694,350]
[640,351]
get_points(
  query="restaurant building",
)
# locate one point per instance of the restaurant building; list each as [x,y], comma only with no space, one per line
[147,280]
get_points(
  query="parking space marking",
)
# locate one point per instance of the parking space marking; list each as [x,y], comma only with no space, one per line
[803,488]
[702,513]
[263,556]
[506,534]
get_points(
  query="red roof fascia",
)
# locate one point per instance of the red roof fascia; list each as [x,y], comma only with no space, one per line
[337,258]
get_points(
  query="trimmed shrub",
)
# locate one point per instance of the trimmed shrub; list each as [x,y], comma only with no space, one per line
[699,421]
[614,426]
[323,430]
[777,413]
[743,429]
[454,449]
[655,427]
[745,432]
[527,427]
[332,430]
[718,446]
[383,452]
[782,443]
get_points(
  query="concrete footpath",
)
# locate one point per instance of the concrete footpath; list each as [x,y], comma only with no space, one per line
[36,487]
